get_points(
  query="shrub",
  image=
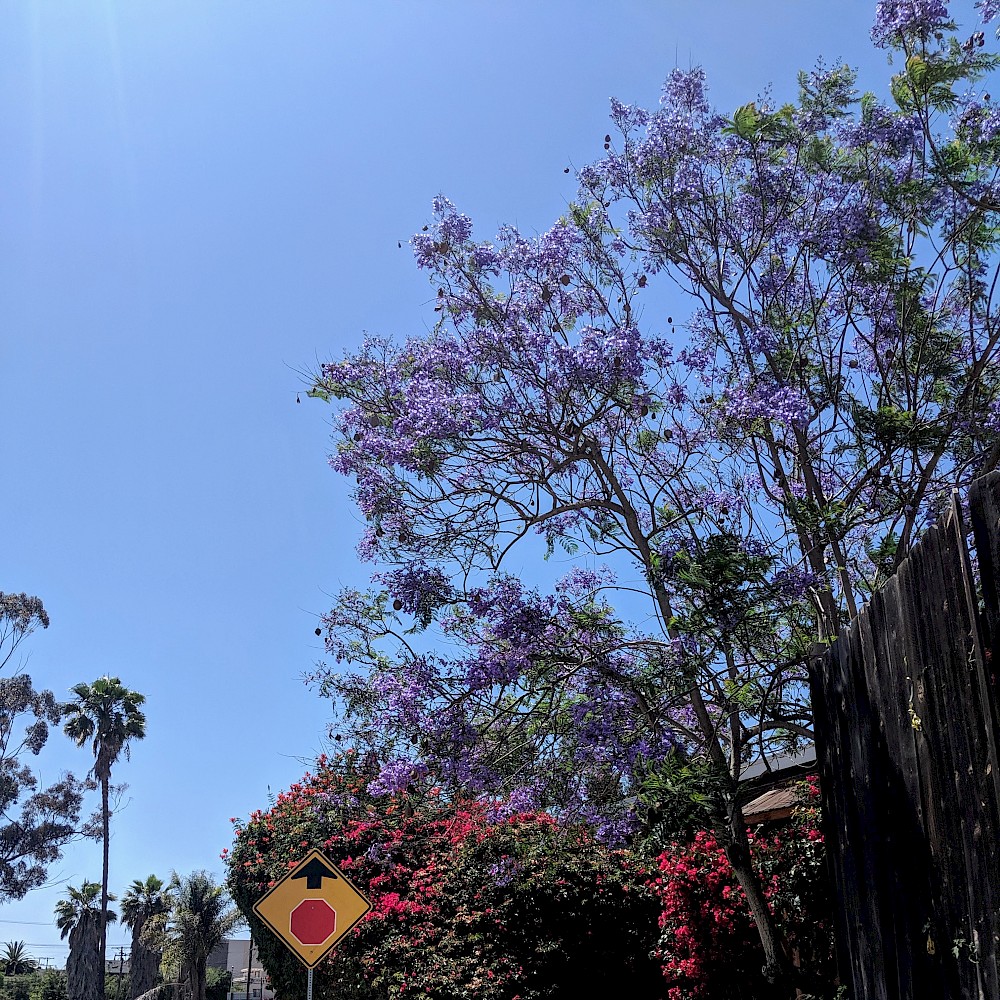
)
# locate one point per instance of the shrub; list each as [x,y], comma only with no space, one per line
[469,898]
[708,944]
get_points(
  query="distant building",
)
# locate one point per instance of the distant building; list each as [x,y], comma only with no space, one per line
[232,955]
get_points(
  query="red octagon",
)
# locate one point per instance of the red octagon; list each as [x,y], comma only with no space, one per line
[313,921]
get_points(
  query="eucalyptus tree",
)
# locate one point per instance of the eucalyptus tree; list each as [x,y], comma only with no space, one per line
[751,471]
[141,903]
[108,716]
[36,821]
[81,916]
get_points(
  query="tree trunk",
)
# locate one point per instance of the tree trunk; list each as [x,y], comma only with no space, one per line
[105,828]
[778,968]
[84,967]
[144,966]
[199,975]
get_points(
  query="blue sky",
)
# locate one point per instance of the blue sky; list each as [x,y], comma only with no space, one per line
[198,201]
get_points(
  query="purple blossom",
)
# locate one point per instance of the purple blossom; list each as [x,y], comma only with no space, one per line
[628,116]
[988,9]
[419,588]
[522,799]
[794,582]
[686,92]
[396,776]
[895,19]
[581,582]
[782,404]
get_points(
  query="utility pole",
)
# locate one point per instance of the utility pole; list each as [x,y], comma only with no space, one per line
[249,965]
[121,971]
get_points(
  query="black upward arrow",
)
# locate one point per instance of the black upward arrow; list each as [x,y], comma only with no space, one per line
[314,873]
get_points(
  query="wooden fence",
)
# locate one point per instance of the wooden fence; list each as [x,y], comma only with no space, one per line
[907,732]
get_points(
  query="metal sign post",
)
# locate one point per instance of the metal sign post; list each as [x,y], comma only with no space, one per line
[309,987]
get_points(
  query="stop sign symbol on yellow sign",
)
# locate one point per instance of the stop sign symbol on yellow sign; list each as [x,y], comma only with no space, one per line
[312,907]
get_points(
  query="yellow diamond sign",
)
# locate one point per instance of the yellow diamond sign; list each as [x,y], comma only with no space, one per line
[312,907]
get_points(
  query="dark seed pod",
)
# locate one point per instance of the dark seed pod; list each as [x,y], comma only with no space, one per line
[564,280]
[319,631]
[397,605]
[607,138]
[642,281]
[644,412]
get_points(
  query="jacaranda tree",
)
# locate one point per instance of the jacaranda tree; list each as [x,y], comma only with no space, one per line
[750,471]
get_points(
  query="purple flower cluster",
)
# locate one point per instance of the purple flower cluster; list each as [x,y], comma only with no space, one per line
[581,582]
[419,588]
[794,582]
[897,19]
[396,776]
[988,9]
[782,404]
[978,122]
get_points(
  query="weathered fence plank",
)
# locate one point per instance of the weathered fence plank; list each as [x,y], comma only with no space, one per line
[908,732]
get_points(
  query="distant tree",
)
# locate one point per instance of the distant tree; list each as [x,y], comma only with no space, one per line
[18,988]
[52,986]
[218,983]
[143,901]
[15,959]
[81,916]
[35,822]
[107,715]
[201,915]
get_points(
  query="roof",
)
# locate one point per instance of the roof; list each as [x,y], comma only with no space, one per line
[774,804]
[800,763]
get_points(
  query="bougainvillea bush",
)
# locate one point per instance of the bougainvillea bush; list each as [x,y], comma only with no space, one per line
[709,947]
[470,899]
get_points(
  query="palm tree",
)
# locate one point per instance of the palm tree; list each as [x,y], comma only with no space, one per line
[80,916]
[141,902]
[200,917]
[15,959]
[106,714]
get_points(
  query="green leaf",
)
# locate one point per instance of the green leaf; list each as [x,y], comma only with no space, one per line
[746,121]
